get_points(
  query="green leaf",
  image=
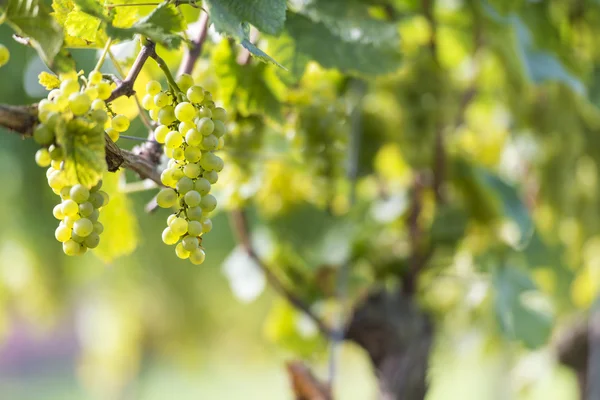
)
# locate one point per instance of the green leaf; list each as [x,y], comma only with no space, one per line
[159,25]
[82,25]
[83,143]
[284,49]
[31,19]
[513,206]
[121,229]
[351,51]
[93,8]
[228,17]
[267,16]
[518,318]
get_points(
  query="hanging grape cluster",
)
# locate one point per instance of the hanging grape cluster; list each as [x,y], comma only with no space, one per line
[80,206]
[191,129]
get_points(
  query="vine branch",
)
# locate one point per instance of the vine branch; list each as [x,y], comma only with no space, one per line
[240,227]
[125,87]
[194,51]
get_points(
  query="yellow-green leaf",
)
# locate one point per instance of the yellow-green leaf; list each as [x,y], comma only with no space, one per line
[81,25]
[121,229]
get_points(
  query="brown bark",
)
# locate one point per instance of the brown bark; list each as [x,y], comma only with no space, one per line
[397,335]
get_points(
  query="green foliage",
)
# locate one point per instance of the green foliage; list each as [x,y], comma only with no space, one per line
[31,19]
[83,143]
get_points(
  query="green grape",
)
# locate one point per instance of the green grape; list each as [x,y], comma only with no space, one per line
[54,94]
[42,135]
[192,154]
[178,226]
[206,225]
[46,106]
[94,77]
[62,233]
[211,176]
[195,94]
[162,100]
[83,227]
[210,143]
[171,218]
[184,185]
[190,243]
[98,105]
[94,215]
[79,103]
[105,197]
[160,133]
[166,115]
[71,248]
[194,213]
[104,90]
[86,209]
[205,112]
[153,88]
[205,126]
[113,134]
[57,212]
[208,203]
[70,220]
[219,114]
[92,240]
[56,180]
[166,198]
[184,81]
[148,102]
[97,187]
[193,199]
[178,154]
[177,174]
[219,164]
[173,139]
[202,186]
[96,199]
[185,112]
[56,153]
[219,129]
[120,123]
[91,92]
[193,137]
[166,177]
[198,256]
[154,114]
[221,143]
[192,170]
[208,161]
[181,252]
[65,193]
[185,126]
[168,237]
[82,250]
[4,55]
[98,227]
[42,157]
[207,97]
[100,116]
[56,164]
[79,193]
[69,208]
[194,226]
[209,104]
[76,238]
[69,86]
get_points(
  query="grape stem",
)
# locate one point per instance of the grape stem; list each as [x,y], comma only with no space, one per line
[103,55]
[165,69]
[193,52]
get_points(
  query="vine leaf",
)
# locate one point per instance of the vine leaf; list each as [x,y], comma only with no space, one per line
[83,143]
[121,228]
[31,18]
[159,25]
[230,17]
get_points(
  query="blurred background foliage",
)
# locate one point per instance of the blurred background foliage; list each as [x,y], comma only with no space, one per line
[488,108]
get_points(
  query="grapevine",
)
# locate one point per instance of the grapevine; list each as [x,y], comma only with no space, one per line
[191,129]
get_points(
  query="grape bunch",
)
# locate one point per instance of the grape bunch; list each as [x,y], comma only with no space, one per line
[79,209]
[191,129]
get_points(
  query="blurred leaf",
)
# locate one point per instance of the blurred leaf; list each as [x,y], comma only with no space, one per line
[341,35]
[315,234]
[81,25]
[31,19]
[285,50]
[121,230]
[83,144]
[229,18]
[518,320]
[288,328]
[246,279]
[93,8]
[449,225]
